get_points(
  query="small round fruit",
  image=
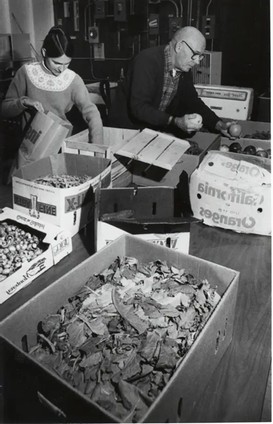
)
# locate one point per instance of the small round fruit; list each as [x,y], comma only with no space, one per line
[235,147]
[224,148]
[250,150]
[262,153]
[235,130]
[197,119]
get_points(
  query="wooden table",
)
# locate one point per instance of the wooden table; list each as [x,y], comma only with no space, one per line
[237,389]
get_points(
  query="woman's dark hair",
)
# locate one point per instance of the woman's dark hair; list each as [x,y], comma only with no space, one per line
[57,43]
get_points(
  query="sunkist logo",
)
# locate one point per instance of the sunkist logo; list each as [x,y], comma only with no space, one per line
[32,135]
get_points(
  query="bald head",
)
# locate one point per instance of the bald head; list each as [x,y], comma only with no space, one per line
[191,35]
[187,48]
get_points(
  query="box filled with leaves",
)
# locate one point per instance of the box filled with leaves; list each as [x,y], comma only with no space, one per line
[132,334]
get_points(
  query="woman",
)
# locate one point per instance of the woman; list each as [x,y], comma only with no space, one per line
[50,86]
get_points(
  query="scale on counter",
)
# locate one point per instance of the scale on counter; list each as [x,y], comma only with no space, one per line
[226,101]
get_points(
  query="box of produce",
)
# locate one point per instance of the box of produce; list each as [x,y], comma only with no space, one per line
[255,129]
[248,146]
[28,247]
[233,191]
[60,188]
[132,334]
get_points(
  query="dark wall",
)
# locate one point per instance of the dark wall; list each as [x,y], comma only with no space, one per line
[242,33]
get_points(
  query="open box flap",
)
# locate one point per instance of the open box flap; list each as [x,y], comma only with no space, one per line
[154,148]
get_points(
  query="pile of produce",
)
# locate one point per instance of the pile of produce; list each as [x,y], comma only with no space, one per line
[16,247]
[236,147]
[63,181]
[120,338]
[194,148]
[261,135]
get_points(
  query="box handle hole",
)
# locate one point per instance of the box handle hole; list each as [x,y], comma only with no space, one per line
[115,207]
[179,410]
[168,242]
[217,341]
[154,208]
[24,344]
[225,329]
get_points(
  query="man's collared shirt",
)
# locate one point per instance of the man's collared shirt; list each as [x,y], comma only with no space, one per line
[171,80]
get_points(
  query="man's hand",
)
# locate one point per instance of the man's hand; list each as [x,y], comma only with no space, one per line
[32,104]
[189,123]
[223,127]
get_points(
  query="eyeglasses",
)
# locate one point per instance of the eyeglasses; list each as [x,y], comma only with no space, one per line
[195,55]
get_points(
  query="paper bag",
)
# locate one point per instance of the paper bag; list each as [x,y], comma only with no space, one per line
[43,137]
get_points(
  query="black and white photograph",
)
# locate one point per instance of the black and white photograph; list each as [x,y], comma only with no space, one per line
[135,211]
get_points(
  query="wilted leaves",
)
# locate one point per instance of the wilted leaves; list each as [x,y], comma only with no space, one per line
[120,338]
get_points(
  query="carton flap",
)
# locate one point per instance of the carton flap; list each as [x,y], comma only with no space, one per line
[235,167]
[154,148]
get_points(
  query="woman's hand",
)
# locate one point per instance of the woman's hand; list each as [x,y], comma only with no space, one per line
[32,104]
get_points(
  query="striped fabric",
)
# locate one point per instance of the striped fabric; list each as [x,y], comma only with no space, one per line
[171,80]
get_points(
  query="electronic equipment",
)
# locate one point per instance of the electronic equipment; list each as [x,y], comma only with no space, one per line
[226,101]
[209,71]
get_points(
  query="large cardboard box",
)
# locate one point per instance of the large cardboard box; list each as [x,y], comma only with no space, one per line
[165,172]
[106,232]
[166,192]
[56,244]
[27,383]
[244,142]
[233,191]
[113,139]
[148,212]
[255,129]
[70,208]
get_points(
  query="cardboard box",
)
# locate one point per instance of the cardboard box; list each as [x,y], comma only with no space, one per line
[56,245]
[70,208]
[148,212]
[244,142]
[107,232]
[253,128]
[233,191]
[143,175]
[166,191]
[26,381]
[113,139]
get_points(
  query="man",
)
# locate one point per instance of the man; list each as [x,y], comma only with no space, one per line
[158,90]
